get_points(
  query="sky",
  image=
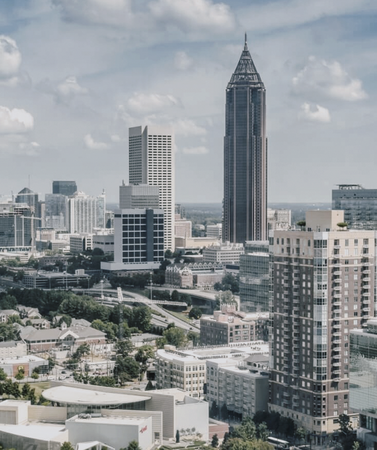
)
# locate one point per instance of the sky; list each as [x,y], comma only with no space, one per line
[76,74]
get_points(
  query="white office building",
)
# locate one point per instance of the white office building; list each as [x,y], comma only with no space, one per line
[86,212]
[227,253]
[151,161]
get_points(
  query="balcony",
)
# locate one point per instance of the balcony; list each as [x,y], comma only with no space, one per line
[337,295]
[337,325]
[366,279]
[366,309]
[337,272]
[366,272]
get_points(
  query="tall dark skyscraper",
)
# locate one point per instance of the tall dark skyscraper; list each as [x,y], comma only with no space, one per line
[64,187]
[245,155]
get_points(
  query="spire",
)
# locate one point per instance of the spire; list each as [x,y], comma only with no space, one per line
[246,72]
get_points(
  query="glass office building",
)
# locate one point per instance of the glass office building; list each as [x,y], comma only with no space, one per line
[254,277]
[363,380]
[245,155]
[359,205]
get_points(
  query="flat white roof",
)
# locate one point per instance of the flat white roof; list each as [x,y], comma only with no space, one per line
[22,360]
[114,420]
[77,396]
[45,432]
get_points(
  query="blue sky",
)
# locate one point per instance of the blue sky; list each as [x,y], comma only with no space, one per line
[75,74]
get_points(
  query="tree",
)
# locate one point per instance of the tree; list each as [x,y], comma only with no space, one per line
[126,369]
[247,430]
[193,337]
[175,297]
[124,347]
[225,297]
[133,445]
[35,376]
[177,437]
[263,432]
[20,375]
[195,313]
[224,412]
[25,390]
[67,446]
[215,441]
[144,353]
[214,410]
[300,433]
[81,351]
[175,336]
[149,386]
[3,375]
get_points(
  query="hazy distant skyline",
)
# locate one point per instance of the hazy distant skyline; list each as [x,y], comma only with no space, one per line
[75,75]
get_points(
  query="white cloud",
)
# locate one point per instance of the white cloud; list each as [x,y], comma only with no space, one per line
[141,103]
[91,144]
[115,138]
[187,127]
[194,15]
[14,121]
[10,57]
[328,79]
[69,89]
[105,12]
[195,150]
[28,149]
[314,113]
[182,61]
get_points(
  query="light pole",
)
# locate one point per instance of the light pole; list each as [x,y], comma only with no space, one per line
[101,289]
[151,284]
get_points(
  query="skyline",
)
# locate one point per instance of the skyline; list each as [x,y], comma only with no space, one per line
[75,76]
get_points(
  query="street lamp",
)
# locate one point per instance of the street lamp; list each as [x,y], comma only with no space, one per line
[101,289]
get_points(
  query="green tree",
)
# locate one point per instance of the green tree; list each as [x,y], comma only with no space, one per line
[247,430]
[193,337]
[177,437]
[25,390]
[82,350]
[195,313]
[215,441]
[214,410]
[20,375]
[300,433]
[175,297]
[35,375]
[133,445]
[224,412]
[149,386]
[263,432]
[67,446]
[175,336]
[144,353]
[3,375]
[124,347]
[126,369]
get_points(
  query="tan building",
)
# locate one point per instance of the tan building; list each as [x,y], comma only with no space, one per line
[227,253]
[193,274]
[229,325]
[323,288]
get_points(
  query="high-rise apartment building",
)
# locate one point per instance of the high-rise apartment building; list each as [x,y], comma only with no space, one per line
[66,188]
[245,155]
[56,212]
[323,288]
[255,277]
[151,161]
[359,205]
[86,213]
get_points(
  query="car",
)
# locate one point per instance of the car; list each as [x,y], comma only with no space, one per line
[62,377]
[63,371]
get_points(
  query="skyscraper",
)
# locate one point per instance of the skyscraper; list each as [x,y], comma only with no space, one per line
[64,187]
[323,288]
[151,161]
[245,155]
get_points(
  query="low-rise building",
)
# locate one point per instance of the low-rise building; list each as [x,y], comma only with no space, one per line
[6,313]
[12,349]
[27,362]
[194,275]
[225,253]
[229,325]
[48,280]
[186,368]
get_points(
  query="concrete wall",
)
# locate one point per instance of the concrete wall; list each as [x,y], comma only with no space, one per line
[192,415]
[50,413]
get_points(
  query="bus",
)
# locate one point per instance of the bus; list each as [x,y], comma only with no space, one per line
[278,443]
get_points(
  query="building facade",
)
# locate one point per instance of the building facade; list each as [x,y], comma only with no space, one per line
[16,229]
[66,188]
[152,162]
[363,381]
[279,219]
[138,240]
[323,288]
[227,253]
[229,325]
[245,155]
[56,212]
[359,205]
[255,277]
[140,196]
[86,212]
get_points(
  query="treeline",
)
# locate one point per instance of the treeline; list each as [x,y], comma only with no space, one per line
[138,280]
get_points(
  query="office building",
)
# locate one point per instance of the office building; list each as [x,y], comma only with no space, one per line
[140,196]
[229,325]
[182,227]
[245,155]
[214,231]
[16,229]
[66,188]
[239,385]
[56,212]
[138,240]
[186,369]
[86,212]
[323,288]
[201,275]
[280,219]
[359,205]
[363,382]
[151,161]
[227,253]
[254,277]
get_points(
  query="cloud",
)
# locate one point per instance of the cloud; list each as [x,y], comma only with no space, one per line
[141,103]
[104,12]
[14,121]
[315,113]
[182,61]
[187,127]
[10,57]
[328,79]
[195,150]
[91,144]
[115,138]
[28,149]
[69,89]
[194,15]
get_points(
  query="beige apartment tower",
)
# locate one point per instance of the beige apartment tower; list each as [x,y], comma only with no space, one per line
[152,162]
[323,288]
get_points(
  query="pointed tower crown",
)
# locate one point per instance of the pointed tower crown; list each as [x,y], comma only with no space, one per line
[246,72]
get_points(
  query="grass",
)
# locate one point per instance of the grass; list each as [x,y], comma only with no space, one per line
[39,386]
[180,316]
